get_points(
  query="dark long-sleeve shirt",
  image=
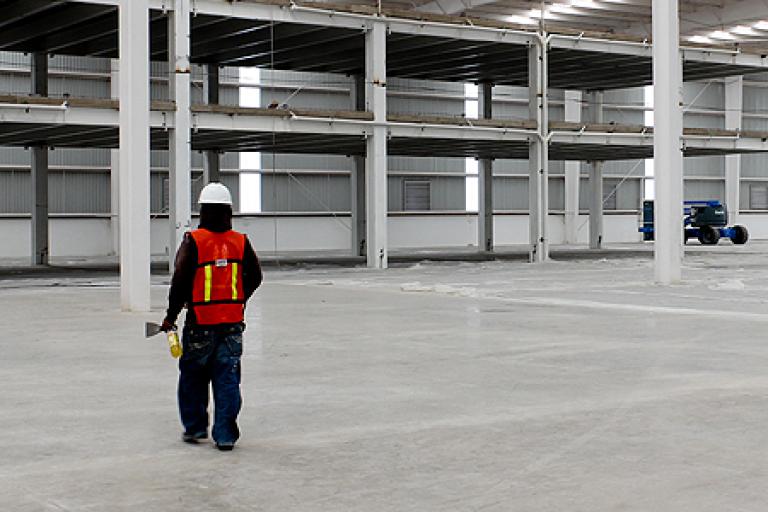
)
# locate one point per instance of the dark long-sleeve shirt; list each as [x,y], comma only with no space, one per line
[183,278]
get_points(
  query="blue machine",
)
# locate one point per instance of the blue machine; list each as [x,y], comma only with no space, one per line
[705,220]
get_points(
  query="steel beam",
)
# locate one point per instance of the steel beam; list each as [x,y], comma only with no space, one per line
[451,6]
[645,49]
[158,5]
[63,115]
[281,13]
[668,157]
[257,123]
[357,181]
[726,144]
[485,179]
[603,139]
[180,154]
[461,32]
[134,155]
[724,57]
[604,46]
[479,133]
[734,104]
[596,180]
[538,182]
[342,19]
[376,146]
[573,101]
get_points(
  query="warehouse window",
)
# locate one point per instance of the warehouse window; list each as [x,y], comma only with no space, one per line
[758,197]
[417,195]
[166,204]
[610,188]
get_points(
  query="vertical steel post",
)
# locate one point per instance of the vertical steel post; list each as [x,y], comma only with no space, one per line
[485,179]
[734,105]
[40,74]
[211,87]
[572,172]
[40,236]
[180,154]
[376,146]
[39,161]
[596,184]
[538,182]
[357,177]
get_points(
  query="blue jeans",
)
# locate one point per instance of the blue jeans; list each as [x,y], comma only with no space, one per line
[211,356]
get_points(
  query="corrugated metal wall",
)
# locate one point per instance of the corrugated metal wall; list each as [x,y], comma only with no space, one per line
[754,168]
[80,179]
[291,189]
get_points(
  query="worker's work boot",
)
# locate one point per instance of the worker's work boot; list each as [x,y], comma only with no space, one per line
[194,438]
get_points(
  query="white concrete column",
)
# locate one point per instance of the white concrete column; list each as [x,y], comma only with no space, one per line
[538,182]
[39,166]
[596,211]
[180,147]
[485,178]
[357,177]
[134,155]
[114,166]
[376,146]
[211,86]
[734,105]
[40,243]
[668,132]
[573,101]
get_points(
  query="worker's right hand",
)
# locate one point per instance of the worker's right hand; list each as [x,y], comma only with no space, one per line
[167,326]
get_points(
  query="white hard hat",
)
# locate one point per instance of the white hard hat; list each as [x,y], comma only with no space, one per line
[215,193]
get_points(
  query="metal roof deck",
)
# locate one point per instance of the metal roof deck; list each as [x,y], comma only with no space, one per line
[576,60]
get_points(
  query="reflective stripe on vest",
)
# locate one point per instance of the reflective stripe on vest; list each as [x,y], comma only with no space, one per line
[217,292]
[234,281]
[208,283]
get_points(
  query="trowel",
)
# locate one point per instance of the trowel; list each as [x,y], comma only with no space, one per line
[152,329]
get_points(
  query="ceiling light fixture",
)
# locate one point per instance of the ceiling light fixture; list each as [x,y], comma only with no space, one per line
[743,30]
[700,39]
[720,34]
[520,20]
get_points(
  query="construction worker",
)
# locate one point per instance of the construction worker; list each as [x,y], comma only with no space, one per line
[216,272]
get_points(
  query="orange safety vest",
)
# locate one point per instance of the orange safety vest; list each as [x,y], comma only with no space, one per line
[217,292]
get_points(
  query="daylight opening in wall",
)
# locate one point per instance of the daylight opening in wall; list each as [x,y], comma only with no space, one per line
[471,111]
[250,163]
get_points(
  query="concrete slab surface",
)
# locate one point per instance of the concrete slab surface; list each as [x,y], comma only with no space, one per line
[62,266]
[496,386]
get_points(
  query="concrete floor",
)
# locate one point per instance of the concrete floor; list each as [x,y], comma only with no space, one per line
[575,386]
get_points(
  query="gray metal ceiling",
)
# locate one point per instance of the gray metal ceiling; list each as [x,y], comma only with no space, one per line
[91,30]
